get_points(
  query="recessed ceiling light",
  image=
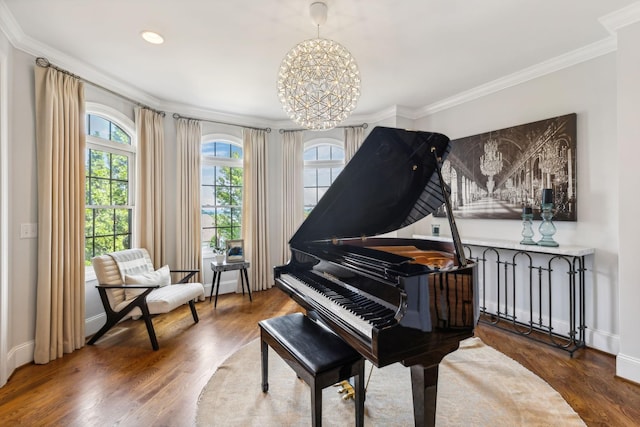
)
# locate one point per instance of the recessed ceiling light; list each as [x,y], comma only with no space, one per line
[152,37]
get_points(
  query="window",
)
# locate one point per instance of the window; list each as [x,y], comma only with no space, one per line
[221,193]
[109,167]
[323,162]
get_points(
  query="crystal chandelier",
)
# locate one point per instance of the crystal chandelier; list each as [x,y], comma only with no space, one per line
[319,81]
[491,162]
[553,158]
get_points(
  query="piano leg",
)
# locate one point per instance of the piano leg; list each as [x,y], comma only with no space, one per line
[424,383]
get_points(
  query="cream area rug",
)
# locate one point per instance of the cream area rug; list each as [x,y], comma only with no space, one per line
[477,386]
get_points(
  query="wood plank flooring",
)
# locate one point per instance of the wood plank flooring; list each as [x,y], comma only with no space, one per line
[121,381]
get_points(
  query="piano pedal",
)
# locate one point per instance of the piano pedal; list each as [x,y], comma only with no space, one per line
[347,389]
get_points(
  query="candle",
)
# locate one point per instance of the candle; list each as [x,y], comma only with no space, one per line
[547,196]
[526,210]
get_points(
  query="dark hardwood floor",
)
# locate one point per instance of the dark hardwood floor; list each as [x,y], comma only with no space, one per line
[121,381]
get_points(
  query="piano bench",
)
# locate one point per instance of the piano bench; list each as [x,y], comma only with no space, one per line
[318,356]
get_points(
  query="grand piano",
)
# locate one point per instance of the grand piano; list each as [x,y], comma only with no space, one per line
[392,299]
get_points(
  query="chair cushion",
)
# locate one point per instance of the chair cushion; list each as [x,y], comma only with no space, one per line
[165,299]
[161,276]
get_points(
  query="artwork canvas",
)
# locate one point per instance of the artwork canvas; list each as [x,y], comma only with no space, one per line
[235,250]
[495,174]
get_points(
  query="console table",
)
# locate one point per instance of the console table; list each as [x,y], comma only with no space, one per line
[218,268]
[519,289]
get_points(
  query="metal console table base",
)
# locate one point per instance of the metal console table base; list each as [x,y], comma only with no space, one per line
[535,320]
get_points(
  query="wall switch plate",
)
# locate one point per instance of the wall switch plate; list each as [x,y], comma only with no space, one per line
[28,231]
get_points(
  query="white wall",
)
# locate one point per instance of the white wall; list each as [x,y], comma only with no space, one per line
[628,360]
[588,89]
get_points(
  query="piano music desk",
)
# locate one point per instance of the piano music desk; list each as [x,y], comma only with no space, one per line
[229,266]
[318,356]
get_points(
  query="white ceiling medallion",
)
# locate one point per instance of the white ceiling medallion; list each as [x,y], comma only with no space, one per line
[319,81]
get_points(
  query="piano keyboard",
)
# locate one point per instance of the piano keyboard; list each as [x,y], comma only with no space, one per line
[360,312]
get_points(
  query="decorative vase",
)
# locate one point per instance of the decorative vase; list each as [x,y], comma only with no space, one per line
[219,258]
[547,229]
[527,230]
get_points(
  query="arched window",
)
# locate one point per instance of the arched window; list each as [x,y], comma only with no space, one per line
[221,192]
[323,162]
[109,181]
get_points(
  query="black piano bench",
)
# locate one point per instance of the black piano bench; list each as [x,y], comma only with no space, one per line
[318,356]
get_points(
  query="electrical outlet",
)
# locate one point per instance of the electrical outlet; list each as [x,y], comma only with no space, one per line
[28,231]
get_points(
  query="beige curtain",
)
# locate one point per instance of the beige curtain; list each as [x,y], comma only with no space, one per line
[60,140]
[292,188]
[188,231]
[353,138]
[150,215]
[255,221]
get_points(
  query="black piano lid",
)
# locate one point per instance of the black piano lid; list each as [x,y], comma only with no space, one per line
[390,183]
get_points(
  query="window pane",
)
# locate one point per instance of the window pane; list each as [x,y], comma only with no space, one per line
[206,195]
[103,222]
[100,192]
[310,196]
[310,177]
[337,153]
[321,191]
[236,152]
[209,237]
[207,218]
[88,222]
[118,135]
[236,176]
[208,175]
[335,172]
[98,127]
[103,245]
[122,242]
[311,154]
[88,251]
[100,164]
[123,221]
[223,196]
[119,194]
[223,149]
[119,167]
[324,152]
[324,177]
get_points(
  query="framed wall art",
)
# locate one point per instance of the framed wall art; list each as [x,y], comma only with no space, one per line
[235,250]
[495,174]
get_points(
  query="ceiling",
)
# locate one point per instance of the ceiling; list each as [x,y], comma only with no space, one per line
[222,56]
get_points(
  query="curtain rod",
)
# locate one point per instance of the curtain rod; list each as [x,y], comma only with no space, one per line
[178,116]
[44,63]
[363,126]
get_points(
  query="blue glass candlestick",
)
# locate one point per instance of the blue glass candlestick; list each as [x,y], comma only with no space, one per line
[527,230]
[547,229]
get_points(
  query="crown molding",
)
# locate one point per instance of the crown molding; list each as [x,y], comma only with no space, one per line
[9,25]
[621,18]
[552,65]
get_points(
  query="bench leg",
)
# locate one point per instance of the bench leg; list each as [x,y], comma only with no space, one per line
[264,351]
[316,405]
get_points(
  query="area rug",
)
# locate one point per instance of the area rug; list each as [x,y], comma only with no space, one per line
[477,386]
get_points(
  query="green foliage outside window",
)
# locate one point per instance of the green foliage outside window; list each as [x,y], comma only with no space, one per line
[221,195]
[108,216]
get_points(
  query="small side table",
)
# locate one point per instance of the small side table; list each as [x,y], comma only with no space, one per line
[229,266]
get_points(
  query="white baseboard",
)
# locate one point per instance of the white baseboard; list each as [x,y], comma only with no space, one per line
[600,340]
[94,323]
[20,355]
[628,367]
